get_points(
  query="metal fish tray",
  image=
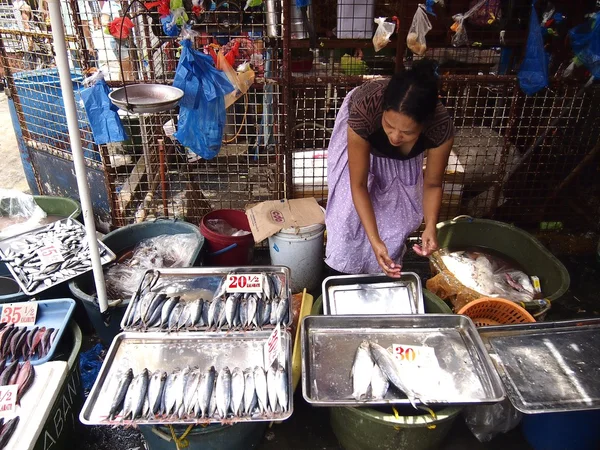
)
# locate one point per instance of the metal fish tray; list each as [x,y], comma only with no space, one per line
[548,367]
[176,350]
[373,295]
[193,282]
[20,240]
[458,369]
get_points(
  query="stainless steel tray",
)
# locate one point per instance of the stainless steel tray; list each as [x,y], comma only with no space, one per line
[170,351]
[373,294]
[548,367]
[190,283]
[465,374]
[20,242]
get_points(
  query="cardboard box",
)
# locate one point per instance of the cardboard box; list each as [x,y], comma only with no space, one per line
[270,217]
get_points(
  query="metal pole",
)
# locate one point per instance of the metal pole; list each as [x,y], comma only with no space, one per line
[66,84]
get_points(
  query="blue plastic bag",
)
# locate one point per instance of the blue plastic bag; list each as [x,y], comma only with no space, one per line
[169,26]
[533,73]
[585,42]
[202,108]
[102,114]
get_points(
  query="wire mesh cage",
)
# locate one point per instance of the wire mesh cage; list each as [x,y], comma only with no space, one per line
[306,61]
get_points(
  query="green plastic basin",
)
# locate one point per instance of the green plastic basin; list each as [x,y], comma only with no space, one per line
[511,241]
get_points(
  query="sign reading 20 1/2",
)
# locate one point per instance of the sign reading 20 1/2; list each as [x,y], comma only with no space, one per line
[244,283]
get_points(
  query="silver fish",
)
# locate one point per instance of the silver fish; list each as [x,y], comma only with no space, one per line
[156,387]
[184,317]
[260,385]
[250,398]
[156,308]
[166,310]
[222,319]
[212,406]
[121,392]
[283,309]
[252,305]
[266,286]
[274,307]
[205,390]
[204,317]
[231,307]
[237,391]
[243,311]
[190,397]
[224,392]
[195,313]
[260,306]
[136,394]
[282,388]
[362,370]
[145,305]
[272,389]
[175,315]
[170,394]
[214,311]
[379,383]
[179,387]
[392,370]
[266,312]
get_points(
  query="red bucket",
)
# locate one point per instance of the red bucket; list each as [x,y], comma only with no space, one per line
[224,250]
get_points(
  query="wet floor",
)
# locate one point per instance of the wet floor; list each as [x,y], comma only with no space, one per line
[309,427]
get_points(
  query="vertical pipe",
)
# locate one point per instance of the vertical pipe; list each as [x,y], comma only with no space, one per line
[66,84]
[287,95]
[163,177]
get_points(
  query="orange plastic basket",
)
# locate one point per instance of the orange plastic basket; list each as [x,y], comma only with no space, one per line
[495,311]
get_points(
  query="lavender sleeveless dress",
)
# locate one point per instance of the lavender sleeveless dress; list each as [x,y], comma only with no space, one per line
[396,191]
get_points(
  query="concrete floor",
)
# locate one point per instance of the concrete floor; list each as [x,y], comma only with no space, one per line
[10,159]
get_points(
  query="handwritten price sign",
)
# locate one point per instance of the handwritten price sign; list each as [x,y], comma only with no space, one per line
[273,347]
[19,313]
[244,283]
[8,399]
[411,355]
[50,254]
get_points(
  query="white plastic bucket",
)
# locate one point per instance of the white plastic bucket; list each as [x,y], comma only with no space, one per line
[302,251]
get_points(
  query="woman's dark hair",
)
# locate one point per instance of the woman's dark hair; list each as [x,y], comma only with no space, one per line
[414,92]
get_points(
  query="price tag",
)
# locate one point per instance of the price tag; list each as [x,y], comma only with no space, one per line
[415,356]
[50,254]
[8,399]
[251,283]
[19,313]
[272,348]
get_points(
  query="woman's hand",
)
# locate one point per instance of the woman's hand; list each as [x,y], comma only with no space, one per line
[429,242]
[390,268]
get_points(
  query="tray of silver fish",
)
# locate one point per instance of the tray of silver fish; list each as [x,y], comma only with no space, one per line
[197,299]
[373,294]
[426,359]
[50,255]
[189,378]
[548,367]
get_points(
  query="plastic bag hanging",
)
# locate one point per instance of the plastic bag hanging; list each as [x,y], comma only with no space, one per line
[202,108]
[585,42]
[460,37]
[533,73]
[420,26]
[102,114]
[383,33]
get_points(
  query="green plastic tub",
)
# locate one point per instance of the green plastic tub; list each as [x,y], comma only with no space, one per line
[370,429]
[213,437]
[58,431]
[511,241]
[58,206]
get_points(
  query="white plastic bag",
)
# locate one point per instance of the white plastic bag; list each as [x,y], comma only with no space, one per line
[420,26]
[383,33]
[18,213]
[460,37]
[487,421]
